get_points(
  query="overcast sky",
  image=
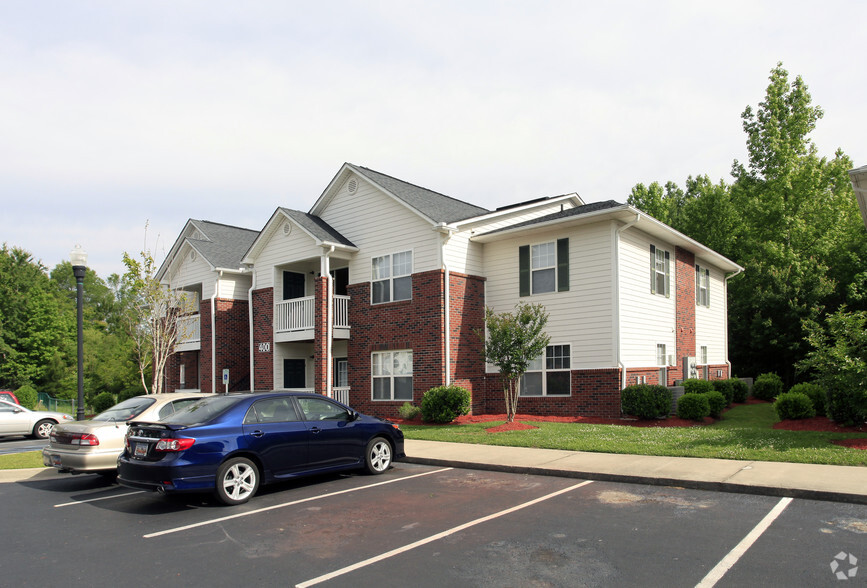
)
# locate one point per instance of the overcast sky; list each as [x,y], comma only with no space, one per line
[118,113]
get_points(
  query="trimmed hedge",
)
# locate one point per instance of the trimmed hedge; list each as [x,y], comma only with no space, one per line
[716,402]
[646,401]
[740,390]
[696,386]
[794,405]
[27,396]
[816,394]
[408,411]
[103,402]
[444,404]
[693,406]
[847,406]
[726,388]
[768,387]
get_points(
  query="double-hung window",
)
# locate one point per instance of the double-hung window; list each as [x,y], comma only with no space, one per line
[549,375]
[660,271]
[702,286]
[543,267]
[392,375]
[391,277]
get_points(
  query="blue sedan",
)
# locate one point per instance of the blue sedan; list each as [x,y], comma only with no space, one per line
[229,444]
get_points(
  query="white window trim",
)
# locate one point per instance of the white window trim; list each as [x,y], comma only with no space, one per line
[391,277]
[533,270]
[664,362]
[703,273]
[545,371]
[390,377]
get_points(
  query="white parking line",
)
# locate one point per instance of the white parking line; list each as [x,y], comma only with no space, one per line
[716,574]
[285,504]
[436,537]
[86,500]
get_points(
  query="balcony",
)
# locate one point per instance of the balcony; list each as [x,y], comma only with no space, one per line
[294,319]
[189,333]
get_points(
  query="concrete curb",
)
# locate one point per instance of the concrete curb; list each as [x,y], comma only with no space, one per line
[24,474]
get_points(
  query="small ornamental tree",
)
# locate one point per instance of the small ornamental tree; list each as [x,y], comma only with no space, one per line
[514,339]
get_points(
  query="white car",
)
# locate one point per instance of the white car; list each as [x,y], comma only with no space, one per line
[93,446]
[17,420]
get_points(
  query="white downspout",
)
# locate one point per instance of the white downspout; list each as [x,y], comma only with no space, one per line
[214,334]
[617,298]
[329,321]
[252,339]
[447,326]
[726,334]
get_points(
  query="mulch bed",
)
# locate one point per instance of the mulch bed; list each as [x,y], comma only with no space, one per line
[522,423]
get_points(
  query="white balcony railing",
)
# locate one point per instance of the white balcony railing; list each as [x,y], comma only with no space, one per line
[341,394]
[189,329]
[298,314]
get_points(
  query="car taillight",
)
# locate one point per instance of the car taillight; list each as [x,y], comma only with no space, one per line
[179,444]
[88,439]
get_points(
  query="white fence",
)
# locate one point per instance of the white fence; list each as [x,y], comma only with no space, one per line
[298,314]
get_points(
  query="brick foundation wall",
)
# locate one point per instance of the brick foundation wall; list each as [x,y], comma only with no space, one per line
[205,356]
[594,393]
[684,310]
[189,359]
[415,324]
[263,338]
[466,319]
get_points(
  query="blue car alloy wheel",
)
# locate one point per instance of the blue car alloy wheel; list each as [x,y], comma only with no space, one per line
[232,444]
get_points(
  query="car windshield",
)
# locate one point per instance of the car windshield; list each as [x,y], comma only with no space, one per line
[202,411]
[126,410]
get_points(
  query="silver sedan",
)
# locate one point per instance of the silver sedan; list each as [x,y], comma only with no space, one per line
[17,420]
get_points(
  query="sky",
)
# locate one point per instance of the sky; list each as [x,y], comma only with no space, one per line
[121,120]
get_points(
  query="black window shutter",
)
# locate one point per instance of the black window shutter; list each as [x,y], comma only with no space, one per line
[697,284]
[562,265]
[667,276]
[653,269]
[524,270]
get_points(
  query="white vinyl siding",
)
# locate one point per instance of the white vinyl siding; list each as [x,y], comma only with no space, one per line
[710,321]
[584,314]
[234,286]
[379,225]
[281,250]
[645,318]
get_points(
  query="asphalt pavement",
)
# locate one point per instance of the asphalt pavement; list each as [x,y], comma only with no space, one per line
[811,481]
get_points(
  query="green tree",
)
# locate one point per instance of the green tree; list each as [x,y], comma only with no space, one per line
[33,326]
[513,341]
[150,312]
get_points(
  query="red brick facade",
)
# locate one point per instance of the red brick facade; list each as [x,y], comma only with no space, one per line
[263,339]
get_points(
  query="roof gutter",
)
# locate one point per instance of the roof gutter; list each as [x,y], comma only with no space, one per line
[726,334]
[446,231]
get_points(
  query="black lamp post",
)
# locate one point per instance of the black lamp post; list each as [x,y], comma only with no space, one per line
[79,269]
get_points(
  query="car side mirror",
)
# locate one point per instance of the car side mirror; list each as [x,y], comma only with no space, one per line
[353,416]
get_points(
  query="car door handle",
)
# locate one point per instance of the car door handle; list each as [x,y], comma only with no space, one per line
[258,433]
[315,430]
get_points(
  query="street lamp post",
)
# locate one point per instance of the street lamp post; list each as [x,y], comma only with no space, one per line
[78,257]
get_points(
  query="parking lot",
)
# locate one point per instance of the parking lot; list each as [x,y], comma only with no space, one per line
[424,526]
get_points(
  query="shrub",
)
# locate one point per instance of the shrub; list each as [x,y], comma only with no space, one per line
[693,406]
[27,396]
[408,411]
[716,402]
[767,387]
[816,394]
[740,390]
[726,388]
[696,386]
[646,401]
[794,405]
[444,404]
[847,405]
[103,402]
[129,393]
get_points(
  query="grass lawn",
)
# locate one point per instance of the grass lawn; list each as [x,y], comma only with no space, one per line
[744,432]
[16,461]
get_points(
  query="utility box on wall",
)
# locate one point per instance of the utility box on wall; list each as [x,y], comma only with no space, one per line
[690,367]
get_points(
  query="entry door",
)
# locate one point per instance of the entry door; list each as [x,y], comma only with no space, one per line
[294,373]
[293,285]
[341,280]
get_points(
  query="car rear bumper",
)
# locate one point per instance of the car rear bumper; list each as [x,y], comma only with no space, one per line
[76,462]
[160,478]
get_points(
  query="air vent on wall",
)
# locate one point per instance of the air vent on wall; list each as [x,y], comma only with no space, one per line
[193,254]
[352,186]
[287,228]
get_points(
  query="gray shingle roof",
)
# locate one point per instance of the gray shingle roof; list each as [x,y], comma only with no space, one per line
[568,213]
[223,246]
[437,207]
[316,226]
